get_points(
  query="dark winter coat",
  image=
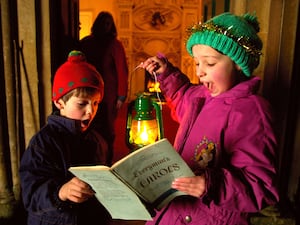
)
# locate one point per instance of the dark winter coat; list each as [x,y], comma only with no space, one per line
[44,169]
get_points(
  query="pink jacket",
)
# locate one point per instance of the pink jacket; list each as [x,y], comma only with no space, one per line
[229,138]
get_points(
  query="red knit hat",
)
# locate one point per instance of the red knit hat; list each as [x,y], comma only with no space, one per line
[74,73]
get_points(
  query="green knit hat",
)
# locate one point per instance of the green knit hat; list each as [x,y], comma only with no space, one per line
[234,36]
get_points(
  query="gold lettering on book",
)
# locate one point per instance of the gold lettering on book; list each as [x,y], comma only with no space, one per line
[151,166]
[156,175]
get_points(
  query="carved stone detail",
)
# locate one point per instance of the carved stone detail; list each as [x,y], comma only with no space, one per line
[151,44]
[156,18]
[147,27]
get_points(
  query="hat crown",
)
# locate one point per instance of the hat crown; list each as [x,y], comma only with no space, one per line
[74,73]
[234,36]
[76,57]
[245,26]
[252,20]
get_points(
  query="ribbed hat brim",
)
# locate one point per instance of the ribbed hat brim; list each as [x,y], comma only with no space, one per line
[223,44]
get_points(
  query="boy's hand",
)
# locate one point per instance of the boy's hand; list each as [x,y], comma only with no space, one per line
[75,190]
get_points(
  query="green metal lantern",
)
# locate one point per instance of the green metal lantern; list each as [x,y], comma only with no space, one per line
[144,121]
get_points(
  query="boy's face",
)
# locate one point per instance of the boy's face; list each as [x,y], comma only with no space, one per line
[217,72]
[80,108]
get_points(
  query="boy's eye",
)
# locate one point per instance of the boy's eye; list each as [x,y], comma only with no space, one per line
[96,103]
[81,103]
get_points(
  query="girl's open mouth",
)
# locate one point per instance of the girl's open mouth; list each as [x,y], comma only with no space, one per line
[208,85]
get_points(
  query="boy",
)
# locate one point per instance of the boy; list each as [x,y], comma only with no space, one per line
[51,194]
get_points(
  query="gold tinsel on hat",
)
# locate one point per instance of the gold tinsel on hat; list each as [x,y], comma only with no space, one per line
[243,41]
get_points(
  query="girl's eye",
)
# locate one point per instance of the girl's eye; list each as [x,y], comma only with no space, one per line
[206,63]
[210,64]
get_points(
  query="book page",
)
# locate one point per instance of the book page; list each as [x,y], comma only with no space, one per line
[116,197]
[151,170]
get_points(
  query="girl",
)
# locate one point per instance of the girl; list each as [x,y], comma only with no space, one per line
[225,133]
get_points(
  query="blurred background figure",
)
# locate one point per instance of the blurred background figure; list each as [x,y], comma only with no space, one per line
[107,54]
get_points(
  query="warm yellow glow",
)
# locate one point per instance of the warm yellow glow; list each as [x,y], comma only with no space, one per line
[143,132]
[86,22]
[153,86]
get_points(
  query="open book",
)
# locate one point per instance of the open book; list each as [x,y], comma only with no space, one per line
[144,175]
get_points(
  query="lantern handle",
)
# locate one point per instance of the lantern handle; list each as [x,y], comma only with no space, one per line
[157,107]
[128,124]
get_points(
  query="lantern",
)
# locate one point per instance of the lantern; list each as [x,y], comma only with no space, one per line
[144,121]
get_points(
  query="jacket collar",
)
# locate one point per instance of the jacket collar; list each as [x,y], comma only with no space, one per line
[243,89]
[63,123]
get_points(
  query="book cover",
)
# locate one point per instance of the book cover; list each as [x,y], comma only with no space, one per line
[145,174]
